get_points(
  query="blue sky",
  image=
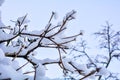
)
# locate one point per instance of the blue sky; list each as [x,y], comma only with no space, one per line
[91,14]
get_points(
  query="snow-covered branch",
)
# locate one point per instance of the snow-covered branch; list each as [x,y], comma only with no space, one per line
[17,42]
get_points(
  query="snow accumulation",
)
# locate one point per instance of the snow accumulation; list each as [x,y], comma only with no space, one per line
[8,68]
[103,71]
[2,55]
[40,72]
[26,44]
[22,20]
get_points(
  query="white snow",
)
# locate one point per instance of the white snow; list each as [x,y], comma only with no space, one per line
[103,72]
[8,68]
[11,49]
[70,13]
[22,20]
[5,36]
[8,72]
[66,64]
[81,67]
[40,72]
[55,15]
[47,60]
[2,55]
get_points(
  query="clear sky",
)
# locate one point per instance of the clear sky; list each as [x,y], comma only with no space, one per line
[91,14]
